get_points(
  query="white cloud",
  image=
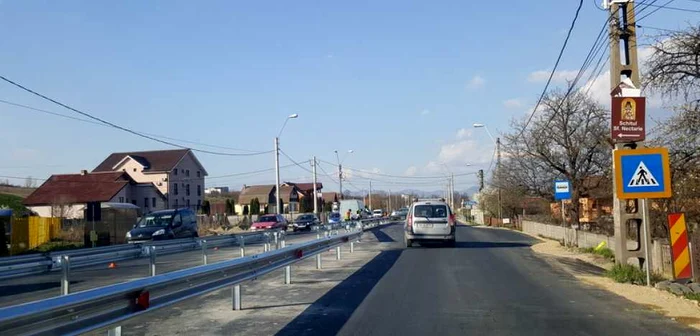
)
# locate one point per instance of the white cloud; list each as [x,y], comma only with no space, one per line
[425,112]
[513,103]
[560,76]
[411,171]
[464,133]
[476,82]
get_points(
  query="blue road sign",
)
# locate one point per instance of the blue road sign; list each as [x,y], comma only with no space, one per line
[562,190]
[642,173]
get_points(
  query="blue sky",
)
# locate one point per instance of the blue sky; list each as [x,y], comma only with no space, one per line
[399,82]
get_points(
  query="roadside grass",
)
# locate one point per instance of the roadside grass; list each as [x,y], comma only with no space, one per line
[603,252]
[631,274]
[692,296]
[53,246]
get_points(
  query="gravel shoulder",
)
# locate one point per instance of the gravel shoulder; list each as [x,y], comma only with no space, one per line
[583,266]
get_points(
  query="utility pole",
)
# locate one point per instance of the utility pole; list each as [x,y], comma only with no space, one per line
[315,192]
[624,65]
[277,176]
[370,196]
[389,205]
[452,190]
[340,179]
[498,181]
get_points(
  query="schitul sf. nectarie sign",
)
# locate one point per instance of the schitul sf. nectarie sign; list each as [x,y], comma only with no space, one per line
[627,118]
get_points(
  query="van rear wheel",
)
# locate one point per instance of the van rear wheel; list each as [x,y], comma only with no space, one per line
[409,243]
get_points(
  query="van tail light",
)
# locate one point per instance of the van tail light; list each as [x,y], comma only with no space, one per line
[409,223]
[451,220]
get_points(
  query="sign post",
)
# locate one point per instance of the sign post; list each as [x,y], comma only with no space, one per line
[642,173]
[562,192]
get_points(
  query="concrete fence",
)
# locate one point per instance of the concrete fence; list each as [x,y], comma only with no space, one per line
[660,249]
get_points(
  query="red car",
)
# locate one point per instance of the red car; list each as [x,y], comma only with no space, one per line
[269,222]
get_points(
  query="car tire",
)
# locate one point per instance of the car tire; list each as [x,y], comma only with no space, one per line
[409,243]
[450,243]
[195,235]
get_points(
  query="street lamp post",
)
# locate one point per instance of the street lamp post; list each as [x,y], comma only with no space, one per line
[498,165]
[277,164]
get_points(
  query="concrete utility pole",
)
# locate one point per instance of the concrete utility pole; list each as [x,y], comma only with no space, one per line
[389,204]
[370,196]
[452,191]
[315,190]
[624,65]
[340,179]
[498,171]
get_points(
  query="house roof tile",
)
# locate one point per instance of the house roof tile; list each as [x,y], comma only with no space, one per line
[78,188]
[153,161]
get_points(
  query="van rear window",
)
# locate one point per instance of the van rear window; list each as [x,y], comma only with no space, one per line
[430,211]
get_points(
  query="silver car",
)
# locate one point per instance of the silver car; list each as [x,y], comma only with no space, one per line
[429,221]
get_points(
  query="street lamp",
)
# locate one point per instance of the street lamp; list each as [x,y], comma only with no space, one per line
[340,168]
[498,165]
[277,163]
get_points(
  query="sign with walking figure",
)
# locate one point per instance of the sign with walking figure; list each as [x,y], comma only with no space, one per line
[642,173]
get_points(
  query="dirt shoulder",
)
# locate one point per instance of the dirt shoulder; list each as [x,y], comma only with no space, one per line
[677,308]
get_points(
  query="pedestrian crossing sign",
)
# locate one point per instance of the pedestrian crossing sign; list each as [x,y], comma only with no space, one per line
[642,173]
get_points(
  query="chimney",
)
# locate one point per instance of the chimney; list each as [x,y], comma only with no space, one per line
[245,187]
[83,172]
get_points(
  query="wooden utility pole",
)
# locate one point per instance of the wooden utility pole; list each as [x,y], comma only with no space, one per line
[624,67]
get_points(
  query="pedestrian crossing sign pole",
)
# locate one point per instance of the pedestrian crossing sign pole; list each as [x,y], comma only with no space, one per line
[642,173]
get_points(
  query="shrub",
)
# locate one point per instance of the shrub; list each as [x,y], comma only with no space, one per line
[625,273]
[603,252]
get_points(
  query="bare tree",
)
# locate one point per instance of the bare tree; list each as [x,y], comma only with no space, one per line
[567,138]
[62,208]
[29,182]
[674,65]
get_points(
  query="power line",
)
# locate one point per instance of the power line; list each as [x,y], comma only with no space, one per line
[654,11]
[104,125]
[556,65]
[297,164]
[121,127]
[676,8]
[662,29]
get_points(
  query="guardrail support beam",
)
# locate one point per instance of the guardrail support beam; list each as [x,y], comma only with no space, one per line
[241,243]
[287,269]
[204,252]
[318,260]
[152,263]
[236,297]
[352,247]
[65,275]
[114,331]
[337,252]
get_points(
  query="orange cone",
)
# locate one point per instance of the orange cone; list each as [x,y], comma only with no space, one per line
[112,265]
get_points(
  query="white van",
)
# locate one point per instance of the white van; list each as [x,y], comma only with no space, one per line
[353,206]
[429,221]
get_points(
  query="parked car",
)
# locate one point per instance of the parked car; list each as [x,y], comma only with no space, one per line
[164,224]
[429,221]
[334,217]
[304,222]
[270,222]
[378,213]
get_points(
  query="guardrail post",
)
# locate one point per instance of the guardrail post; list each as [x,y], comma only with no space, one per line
[266,242]
[352,247]
[287,269]
[236,297]
[277,240]
[152,263]
[204,252]
[318,261]
[241,244]
[65,274]
[318,236]
[114,331]
[337,252]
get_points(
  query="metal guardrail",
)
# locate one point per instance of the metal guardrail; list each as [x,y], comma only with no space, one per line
[107,306]
[12,267]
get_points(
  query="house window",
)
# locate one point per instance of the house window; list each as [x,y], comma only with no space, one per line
[187,189]
[182,170]
[176,202]
[175,171]
[188,202]
[153,202]
[175,189]
[187,173]
[199,174]
[133,202]
[199,190]
[121,199]
[145,202]
[199,204]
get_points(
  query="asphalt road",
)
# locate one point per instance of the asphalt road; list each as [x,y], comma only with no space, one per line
[37,287]
[491,283]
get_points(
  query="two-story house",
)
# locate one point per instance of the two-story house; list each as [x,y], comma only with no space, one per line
[177,175]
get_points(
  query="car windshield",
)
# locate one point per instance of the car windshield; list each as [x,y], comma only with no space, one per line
[267,219]
[431,211]
[156,219]
[306,217]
